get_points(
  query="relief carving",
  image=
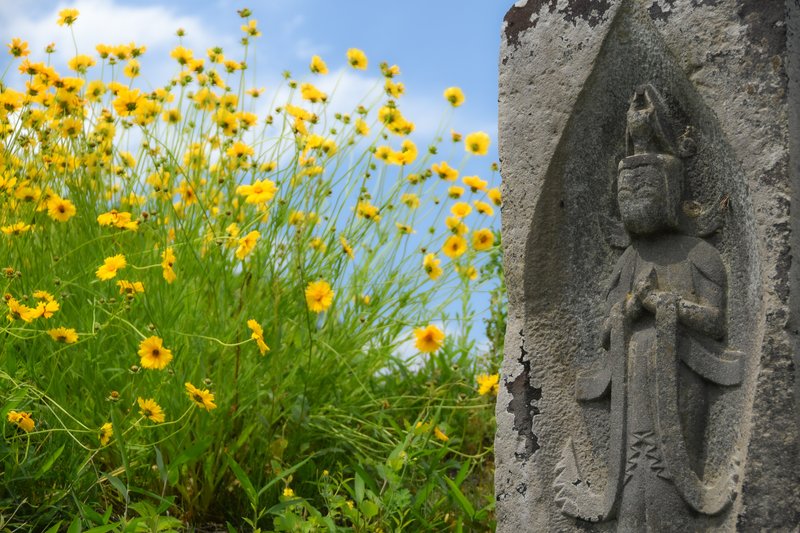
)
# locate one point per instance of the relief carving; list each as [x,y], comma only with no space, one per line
[664,346]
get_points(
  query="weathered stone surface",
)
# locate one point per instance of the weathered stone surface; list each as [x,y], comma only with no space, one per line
[602,393]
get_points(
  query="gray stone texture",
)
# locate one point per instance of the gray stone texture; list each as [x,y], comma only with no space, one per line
[727,73]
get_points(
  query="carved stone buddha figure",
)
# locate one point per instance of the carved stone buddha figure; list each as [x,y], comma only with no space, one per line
[663,346]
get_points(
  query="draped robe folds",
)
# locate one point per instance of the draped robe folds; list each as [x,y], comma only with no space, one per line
[657,366]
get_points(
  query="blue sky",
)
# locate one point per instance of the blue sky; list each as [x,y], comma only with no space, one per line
[436,43]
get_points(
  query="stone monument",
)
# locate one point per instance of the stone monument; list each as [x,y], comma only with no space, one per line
[650,154]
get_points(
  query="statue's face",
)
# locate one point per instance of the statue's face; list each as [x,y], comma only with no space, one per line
[643,199]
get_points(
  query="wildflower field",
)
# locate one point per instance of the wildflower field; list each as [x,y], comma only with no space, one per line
[228,308]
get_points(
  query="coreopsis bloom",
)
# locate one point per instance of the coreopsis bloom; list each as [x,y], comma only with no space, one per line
[251,28]
[312,94]
[470,272]
[60,209]
[153,354]
[46,309]
[428,339]
[318,66]
[346,248]
[110,266]
[106,432]
[368,211]
[128,102]
[319,296]
[17,310]
[118,219]
[247,244]
[482,239]
[474,183]
[18,48]
[456,225]
[167,264]
[477,143]
[258,192]
[445,171]
[16,228]
[495,196]
[488,384]
[431,265]
[81,63]
[151,410]
[130,287]
[454,246]
[258,335]
[202,398]
[411,200]
[460,209]
[357,58]
[361,127]
[405,229]
[240,150]
[455,192]
[483,208]
[454,95]
[22,420]
[395,90]
[67,17]
[439,434]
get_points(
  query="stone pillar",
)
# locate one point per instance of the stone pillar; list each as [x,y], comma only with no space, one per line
[650,154]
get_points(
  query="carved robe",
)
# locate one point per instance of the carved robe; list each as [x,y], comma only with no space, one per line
[656,368]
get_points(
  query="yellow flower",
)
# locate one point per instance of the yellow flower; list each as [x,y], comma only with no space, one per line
[247,244]
[132,69]
[288,493]
[18,310]
[167,262]
[258,336]
[439,434]
[474,183]
[454,246]
[455,191]
[454,95]
[411,200]
[60,209]
[18,48]
[368,211]
[482,239]
[258,192]
[312,94]
[240,150]
[106,432]
[65,335]
[488,384]
[202,398]
[445,171]
[483,208]
[361,127]
[153,354]
[319,296]
[318,66]
[346,248]
[67,17]
[128,102]
[357,58]
[130,287]
[251,29]
[118,219]
[22,420]
[460,209]
[151,410]
[110,266]
[46,309]
[80,63]
[16,228]
[477,143]
[181,55]
[456,226]
[495,196]
[431,265]
[428,339]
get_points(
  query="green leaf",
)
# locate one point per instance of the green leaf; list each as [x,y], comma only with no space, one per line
[247,485]
[359,483]
[103,529]
[460,498]
[160,463]
[120,439]
[53,529]
[48,464]
[75,526]
[369,508]
[119,485]
[190,454]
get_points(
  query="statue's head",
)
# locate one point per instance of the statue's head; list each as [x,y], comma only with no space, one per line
[649,192]
[649,181]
